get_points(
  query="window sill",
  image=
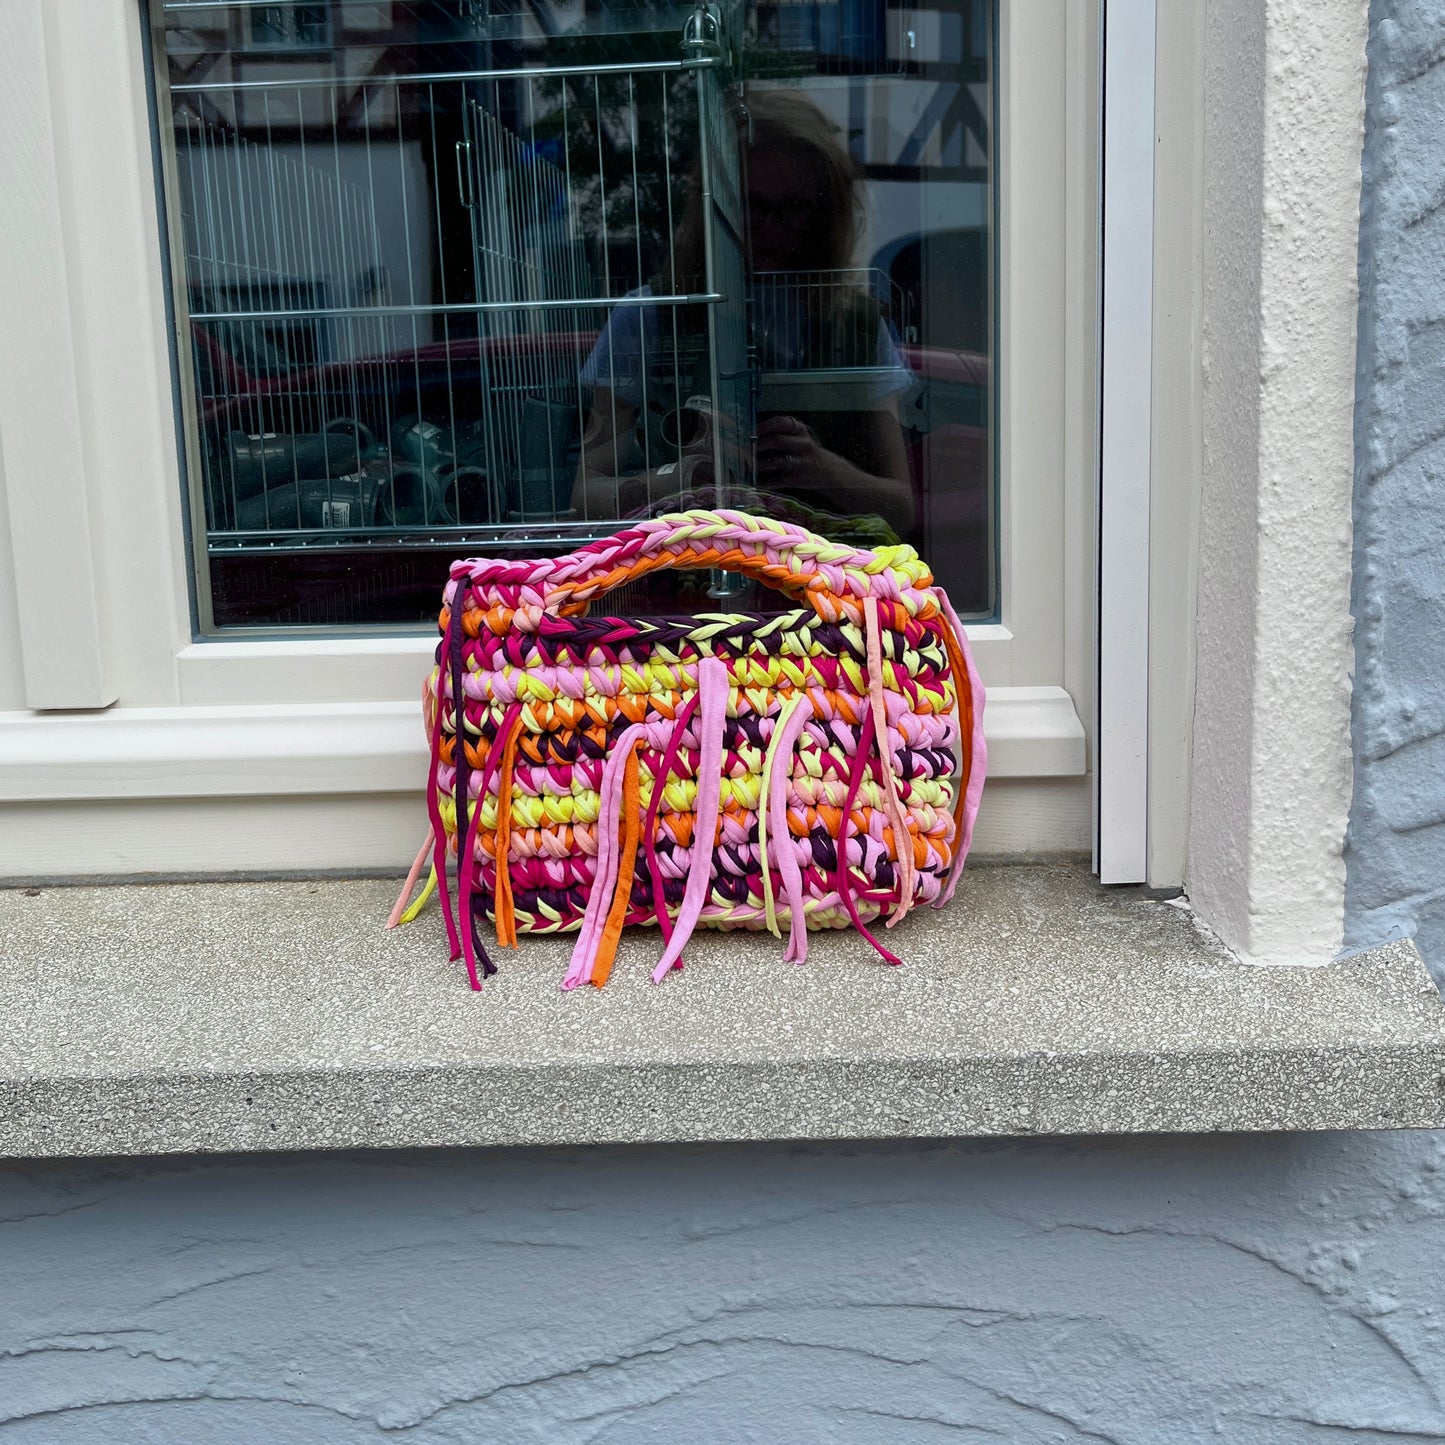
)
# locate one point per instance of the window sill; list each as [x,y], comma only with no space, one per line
[299,749]
[261,1016]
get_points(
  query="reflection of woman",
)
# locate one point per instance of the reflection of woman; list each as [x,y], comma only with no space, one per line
[840,451]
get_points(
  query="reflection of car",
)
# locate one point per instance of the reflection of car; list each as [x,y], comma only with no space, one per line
[424,421]
[480,432]
[946,420]
[945,277]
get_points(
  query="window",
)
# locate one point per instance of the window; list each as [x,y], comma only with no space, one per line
[293,717]
[460,277]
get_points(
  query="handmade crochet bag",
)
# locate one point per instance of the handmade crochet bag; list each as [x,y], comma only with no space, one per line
[703,769]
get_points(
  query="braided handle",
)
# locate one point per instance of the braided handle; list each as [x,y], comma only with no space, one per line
[833,577]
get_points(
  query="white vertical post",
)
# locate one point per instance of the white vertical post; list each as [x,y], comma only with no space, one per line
[1121,763]
[1271,777]
[41,432]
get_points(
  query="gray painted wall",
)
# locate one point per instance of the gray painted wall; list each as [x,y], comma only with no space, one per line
[1396,854]
[1265,1291]
[1277,1290]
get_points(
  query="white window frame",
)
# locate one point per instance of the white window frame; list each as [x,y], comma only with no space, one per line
[297,717]
[1126,362]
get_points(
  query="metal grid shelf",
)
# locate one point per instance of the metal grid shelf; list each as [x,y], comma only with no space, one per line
[392,301]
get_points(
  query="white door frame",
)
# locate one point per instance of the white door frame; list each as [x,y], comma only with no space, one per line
[1128,135]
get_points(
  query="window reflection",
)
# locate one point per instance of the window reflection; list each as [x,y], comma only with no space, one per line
[479,277]
[826,433]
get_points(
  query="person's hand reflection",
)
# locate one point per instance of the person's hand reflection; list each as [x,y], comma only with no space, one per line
[792,461]
[790,457]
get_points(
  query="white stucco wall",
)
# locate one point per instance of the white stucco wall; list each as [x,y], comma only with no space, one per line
[1284,89]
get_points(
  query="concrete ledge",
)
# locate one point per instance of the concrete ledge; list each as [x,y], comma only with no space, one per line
[252,1016]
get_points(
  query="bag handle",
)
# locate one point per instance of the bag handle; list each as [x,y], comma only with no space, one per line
[832,577]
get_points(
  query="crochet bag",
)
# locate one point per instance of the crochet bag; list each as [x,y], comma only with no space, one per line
[697,770]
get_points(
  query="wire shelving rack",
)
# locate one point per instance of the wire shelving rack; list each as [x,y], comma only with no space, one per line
[394,285]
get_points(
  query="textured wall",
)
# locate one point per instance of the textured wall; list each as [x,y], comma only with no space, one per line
[1274,1291]
[1396,855]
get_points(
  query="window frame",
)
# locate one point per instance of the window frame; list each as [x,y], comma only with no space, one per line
[1036,92]
[1036,109]
[1127,146]
[1038,661]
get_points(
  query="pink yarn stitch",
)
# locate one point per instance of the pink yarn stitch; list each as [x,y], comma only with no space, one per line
[439,832]
[789,868]
[906,868]
[467,855]
[712,708]
[649,828]
[608,860]
[399,907]
[844,882]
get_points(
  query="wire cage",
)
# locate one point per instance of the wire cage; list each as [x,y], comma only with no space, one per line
[407,292]
[475,276]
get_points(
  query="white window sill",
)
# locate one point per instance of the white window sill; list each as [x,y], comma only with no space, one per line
[300,749]
[257,1016]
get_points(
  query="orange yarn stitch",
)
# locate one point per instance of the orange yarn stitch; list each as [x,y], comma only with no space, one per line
[631,832]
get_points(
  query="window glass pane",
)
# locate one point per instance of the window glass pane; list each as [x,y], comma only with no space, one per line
[498,276]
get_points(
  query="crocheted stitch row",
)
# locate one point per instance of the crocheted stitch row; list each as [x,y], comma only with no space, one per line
[699,770]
